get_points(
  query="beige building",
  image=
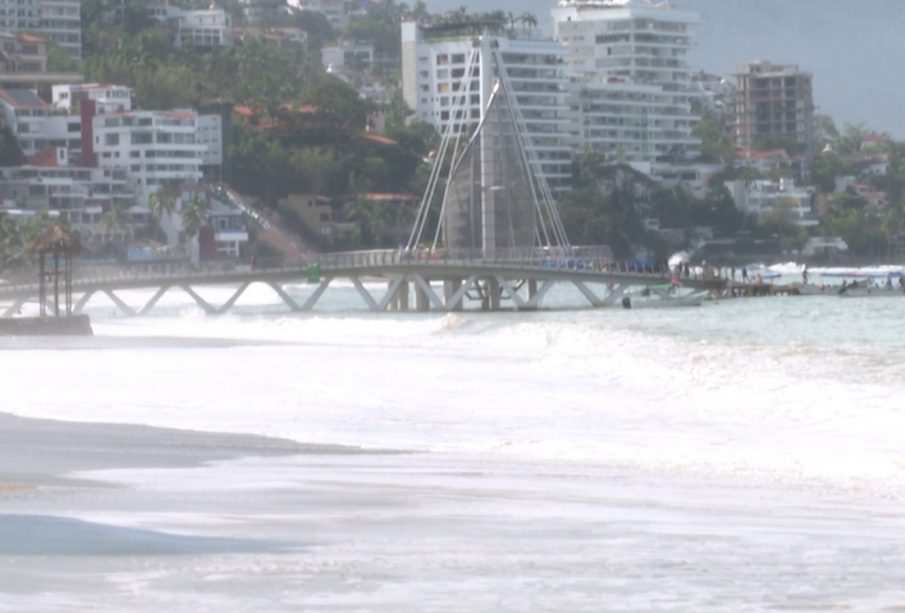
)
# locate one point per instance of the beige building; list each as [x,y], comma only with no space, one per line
[774,103]
[316,213]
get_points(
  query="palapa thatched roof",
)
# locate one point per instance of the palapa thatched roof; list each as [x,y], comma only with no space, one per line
[54,236]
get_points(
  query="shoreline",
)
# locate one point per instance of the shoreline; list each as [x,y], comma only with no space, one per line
[38,452]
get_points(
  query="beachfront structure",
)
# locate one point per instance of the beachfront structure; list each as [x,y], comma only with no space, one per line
[228,230]
[80,196]
[448,65]
[108,98]
[630,84]
[775,106]
[209,28]
[781,199]
[222,234]
[57,20]
[155,147]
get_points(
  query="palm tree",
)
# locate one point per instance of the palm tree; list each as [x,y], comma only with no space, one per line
[194,213]
[512,19]
[162,201]
[12,244]
[528,20]
[117,218]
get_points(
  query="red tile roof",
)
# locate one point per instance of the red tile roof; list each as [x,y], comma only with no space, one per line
[382,140]
[31,38]
[381,197]
[45,157]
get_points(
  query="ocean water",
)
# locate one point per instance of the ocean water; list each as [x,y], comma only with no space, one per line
[744,455]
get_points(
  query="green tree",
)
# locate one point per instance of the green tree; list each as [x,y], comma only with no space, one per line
[59,60]
[777,141]
[716,145]
[162,201]
[826,167]
[331,95]
[194,213]
[592,218]
[528,20]
[117,219]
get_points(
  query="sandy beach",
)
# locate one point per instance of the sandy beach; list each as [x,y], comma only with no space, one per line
[40,466]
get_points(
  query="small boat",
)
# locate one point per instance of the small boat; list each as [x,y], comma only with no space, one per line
[659,297]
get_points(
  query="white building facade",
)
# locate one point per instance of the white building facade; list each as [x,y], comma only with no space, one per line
[57,20]
[74,194]
[441,70]
[108,98]
[781,198]
[210,28]
[630,85]
[34,125]
[155,148]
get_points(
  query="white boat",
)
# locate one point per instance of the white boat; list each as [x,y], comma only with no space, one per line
[659,297]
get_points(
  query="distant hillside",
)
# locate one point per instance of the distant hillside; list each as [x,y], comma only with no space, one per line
[852,47]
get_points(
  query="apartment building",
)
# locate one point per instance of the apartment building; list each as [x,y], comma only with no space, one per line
[154,147]
[22,53]
[208,28]
[108,98]
[782,199]
[630,85]
[61,22]
[58,20]
[74,194]
[445,67]
[20,15]
[26,115]
[774,104]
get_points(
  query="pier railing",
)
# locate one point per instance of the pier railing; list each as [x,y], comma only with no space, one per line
[371,262]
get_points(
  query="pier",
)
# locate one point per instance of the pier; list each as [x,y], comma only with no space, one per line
[414,282]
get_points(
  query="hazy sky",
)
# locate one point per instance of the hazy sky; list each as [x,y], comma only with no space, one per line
[854,48]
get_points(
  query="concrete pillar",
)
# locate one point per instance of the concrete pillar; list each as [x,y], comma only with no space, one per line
[422,302]
[532,289]
[494,287]
[491,295]
[402,297]
[450,287]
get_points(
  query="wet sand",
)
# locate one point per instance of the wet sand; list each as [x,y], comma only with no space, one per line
[40,466]
[40,452]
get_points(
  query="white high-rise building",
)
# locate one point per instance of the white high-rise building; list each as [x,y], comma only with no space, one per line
[436,73]
[20,15]
[630,85]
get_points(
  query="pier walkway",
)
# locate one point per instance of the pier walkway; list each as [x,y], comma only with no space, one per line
[518,281]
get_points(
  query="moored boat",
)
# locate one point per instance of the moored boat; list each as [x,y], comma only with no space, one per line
[659,297]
